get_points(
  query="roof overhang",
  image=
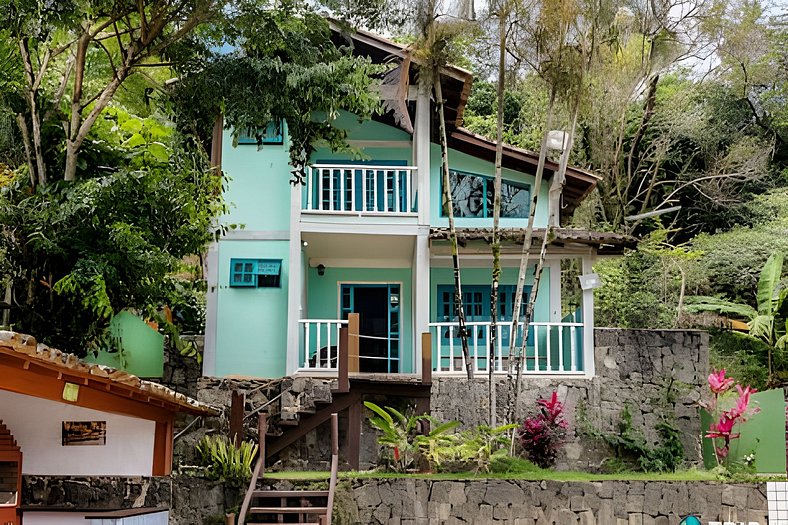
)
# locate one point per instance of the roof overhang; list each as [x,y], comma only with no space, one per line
[29,368]
[579,182]
[604,243]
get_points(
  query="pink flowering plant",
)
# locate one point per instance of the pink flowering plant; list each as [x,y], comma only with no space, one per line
[542,434]
[728,409]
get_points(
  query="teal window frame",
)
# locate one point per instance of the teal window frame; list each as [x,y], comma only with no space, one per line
[489,186]
[272,134]
[474,292]
[255,273]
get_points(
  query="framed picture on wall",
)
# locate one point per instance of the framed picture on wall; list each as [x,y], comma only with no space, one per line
[78,433]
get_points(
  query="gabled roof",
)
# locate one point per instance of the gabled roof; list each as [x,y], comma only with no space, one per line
[49,369]
[456,83]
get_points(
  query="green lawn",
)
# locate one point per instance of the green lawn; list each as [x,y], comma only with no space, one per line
[685,475]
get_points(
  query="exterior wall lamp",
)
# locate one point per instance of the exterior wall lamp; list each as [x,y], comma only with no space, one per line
[321,270]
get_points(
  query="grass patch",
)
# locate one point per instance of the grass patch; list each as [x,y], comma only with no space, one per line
[538,475]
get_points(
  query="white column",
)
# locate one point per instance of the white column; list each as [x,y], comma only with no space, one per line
[422,150]
[421,294]
[555,289]
[295,281]
[211,309]
[588,321]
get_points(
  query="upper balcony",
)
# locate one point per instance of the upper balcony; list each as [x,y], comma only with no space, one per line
[363,191]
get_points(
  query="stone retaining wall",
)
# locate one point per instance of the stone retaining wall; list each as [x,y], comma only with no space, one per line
[481,502]
[95,492]
[654,373]
[417,502]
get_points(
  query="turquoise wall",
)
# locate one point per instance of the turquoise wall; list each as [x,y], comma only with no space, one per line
[251,324]
[463,162]
[323,298]
[258,192]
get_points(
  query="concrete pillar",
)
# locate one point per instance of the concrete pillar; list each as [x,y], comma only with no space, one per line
[588,320]
[295,282]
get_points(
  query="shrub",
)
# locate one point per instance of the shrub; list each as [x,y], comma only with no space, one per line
[542,434]
[726,414]
[225,461]
[633,452]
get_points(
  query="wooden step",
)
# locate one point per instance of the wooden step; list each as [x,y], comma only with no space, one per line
[290,494]
[288,510]
[277,523]
[289,422]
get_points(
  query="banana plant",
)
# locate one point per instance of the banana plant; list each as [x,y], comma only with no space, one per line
[397,433]
[768,322]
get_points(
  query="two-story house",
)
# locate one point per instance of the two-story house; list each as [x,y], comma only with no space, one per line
[370,237]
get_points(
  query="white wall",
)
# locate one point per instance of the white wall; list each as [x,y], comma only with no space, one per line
[37,426]
[54,518]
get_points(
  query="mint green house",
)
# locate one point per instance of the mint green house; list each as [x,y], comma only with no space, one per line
[369,237]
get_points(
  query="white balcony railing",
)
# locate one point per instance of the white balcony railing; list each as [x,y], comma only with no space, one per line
[361,189]
[321,343]
[553,348]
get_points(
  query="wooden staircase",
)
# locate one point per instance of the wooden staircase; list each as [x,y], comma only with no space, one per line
[304,507]
[10,477]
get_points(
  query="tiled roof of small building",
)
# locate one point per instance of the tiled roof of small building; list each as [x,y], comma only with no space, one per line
[26,347]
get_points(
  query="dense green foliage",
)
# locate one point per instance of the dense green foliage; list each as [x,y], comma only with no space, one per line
[106,112]
[283,67]
[79,252]
[225,461]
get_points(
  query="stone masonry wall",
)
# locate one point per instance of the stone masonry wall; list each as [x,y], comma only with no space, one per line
[419,501]
[654,373]
[95,492]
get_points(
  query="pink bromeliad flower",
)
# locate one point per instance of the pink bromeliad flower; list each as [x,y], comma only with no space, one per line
[742,403]
[718,383]
[723,428]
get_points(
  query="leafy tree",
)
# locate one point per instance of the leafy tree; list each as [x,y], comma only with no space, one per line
[75,55]
[79,252]
[283,67]
[768,322]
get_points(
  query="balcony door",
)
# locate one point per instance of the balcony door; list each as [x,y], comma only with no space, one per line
[379,335]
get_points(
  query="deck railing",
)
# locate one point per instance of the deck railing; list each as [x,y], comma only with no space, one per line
[361,189]
[553,348]
[321,343]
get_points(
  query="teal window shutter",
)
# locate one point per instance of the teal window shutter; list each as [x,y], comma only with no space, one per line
[243,273]
[271,133]
[255,273]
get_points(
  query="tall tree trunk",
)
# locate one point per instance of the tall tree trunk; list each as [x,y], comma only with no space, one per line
[31,98]
[496,240]
[448,205]
[529,311]
[529,232]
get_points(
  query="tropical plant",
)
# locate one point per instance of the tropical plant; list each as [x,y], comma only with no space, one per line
[225,461]
[398,434]
[483,446]
[768,322]
[542,434]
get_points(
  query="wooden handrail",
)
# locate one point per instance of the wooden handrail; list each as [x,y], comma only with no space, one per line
[353,331]
[426,358]
[332,486]
[259,468]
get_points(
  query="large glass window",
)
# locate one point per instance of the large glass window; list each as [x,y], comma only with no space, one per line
[472,196]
